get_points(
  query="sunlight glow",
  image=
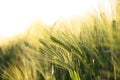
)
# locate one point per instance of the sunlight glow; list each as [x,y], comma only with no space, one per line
[16,15]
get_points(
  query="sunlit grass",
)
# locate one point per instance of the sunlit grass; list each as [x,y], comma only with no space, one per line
[77,49]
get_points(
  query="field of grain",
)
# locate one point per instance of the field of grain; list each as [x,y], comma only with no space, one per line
[79,49]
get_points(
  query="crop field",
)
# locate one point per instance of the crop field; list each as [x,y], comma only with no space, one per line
[79,49]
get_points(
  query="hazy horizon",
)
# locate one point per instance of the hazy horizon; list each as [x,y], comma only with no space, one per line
[17,15]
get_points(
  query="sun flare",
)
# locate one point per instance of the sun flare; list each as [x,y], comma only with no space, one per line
[16,15]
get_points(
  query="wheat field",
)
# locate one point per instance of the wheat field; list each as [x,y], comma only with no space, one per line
[80,49]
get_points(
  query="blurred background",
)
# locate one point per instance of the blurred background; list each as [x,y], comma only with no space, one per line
[17,15]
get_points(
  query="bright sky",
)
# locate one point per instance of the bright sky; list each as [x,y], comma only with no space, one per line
[17,15]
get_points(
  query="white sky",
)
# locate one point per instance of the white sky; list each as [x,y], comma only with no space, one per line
[16,15]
